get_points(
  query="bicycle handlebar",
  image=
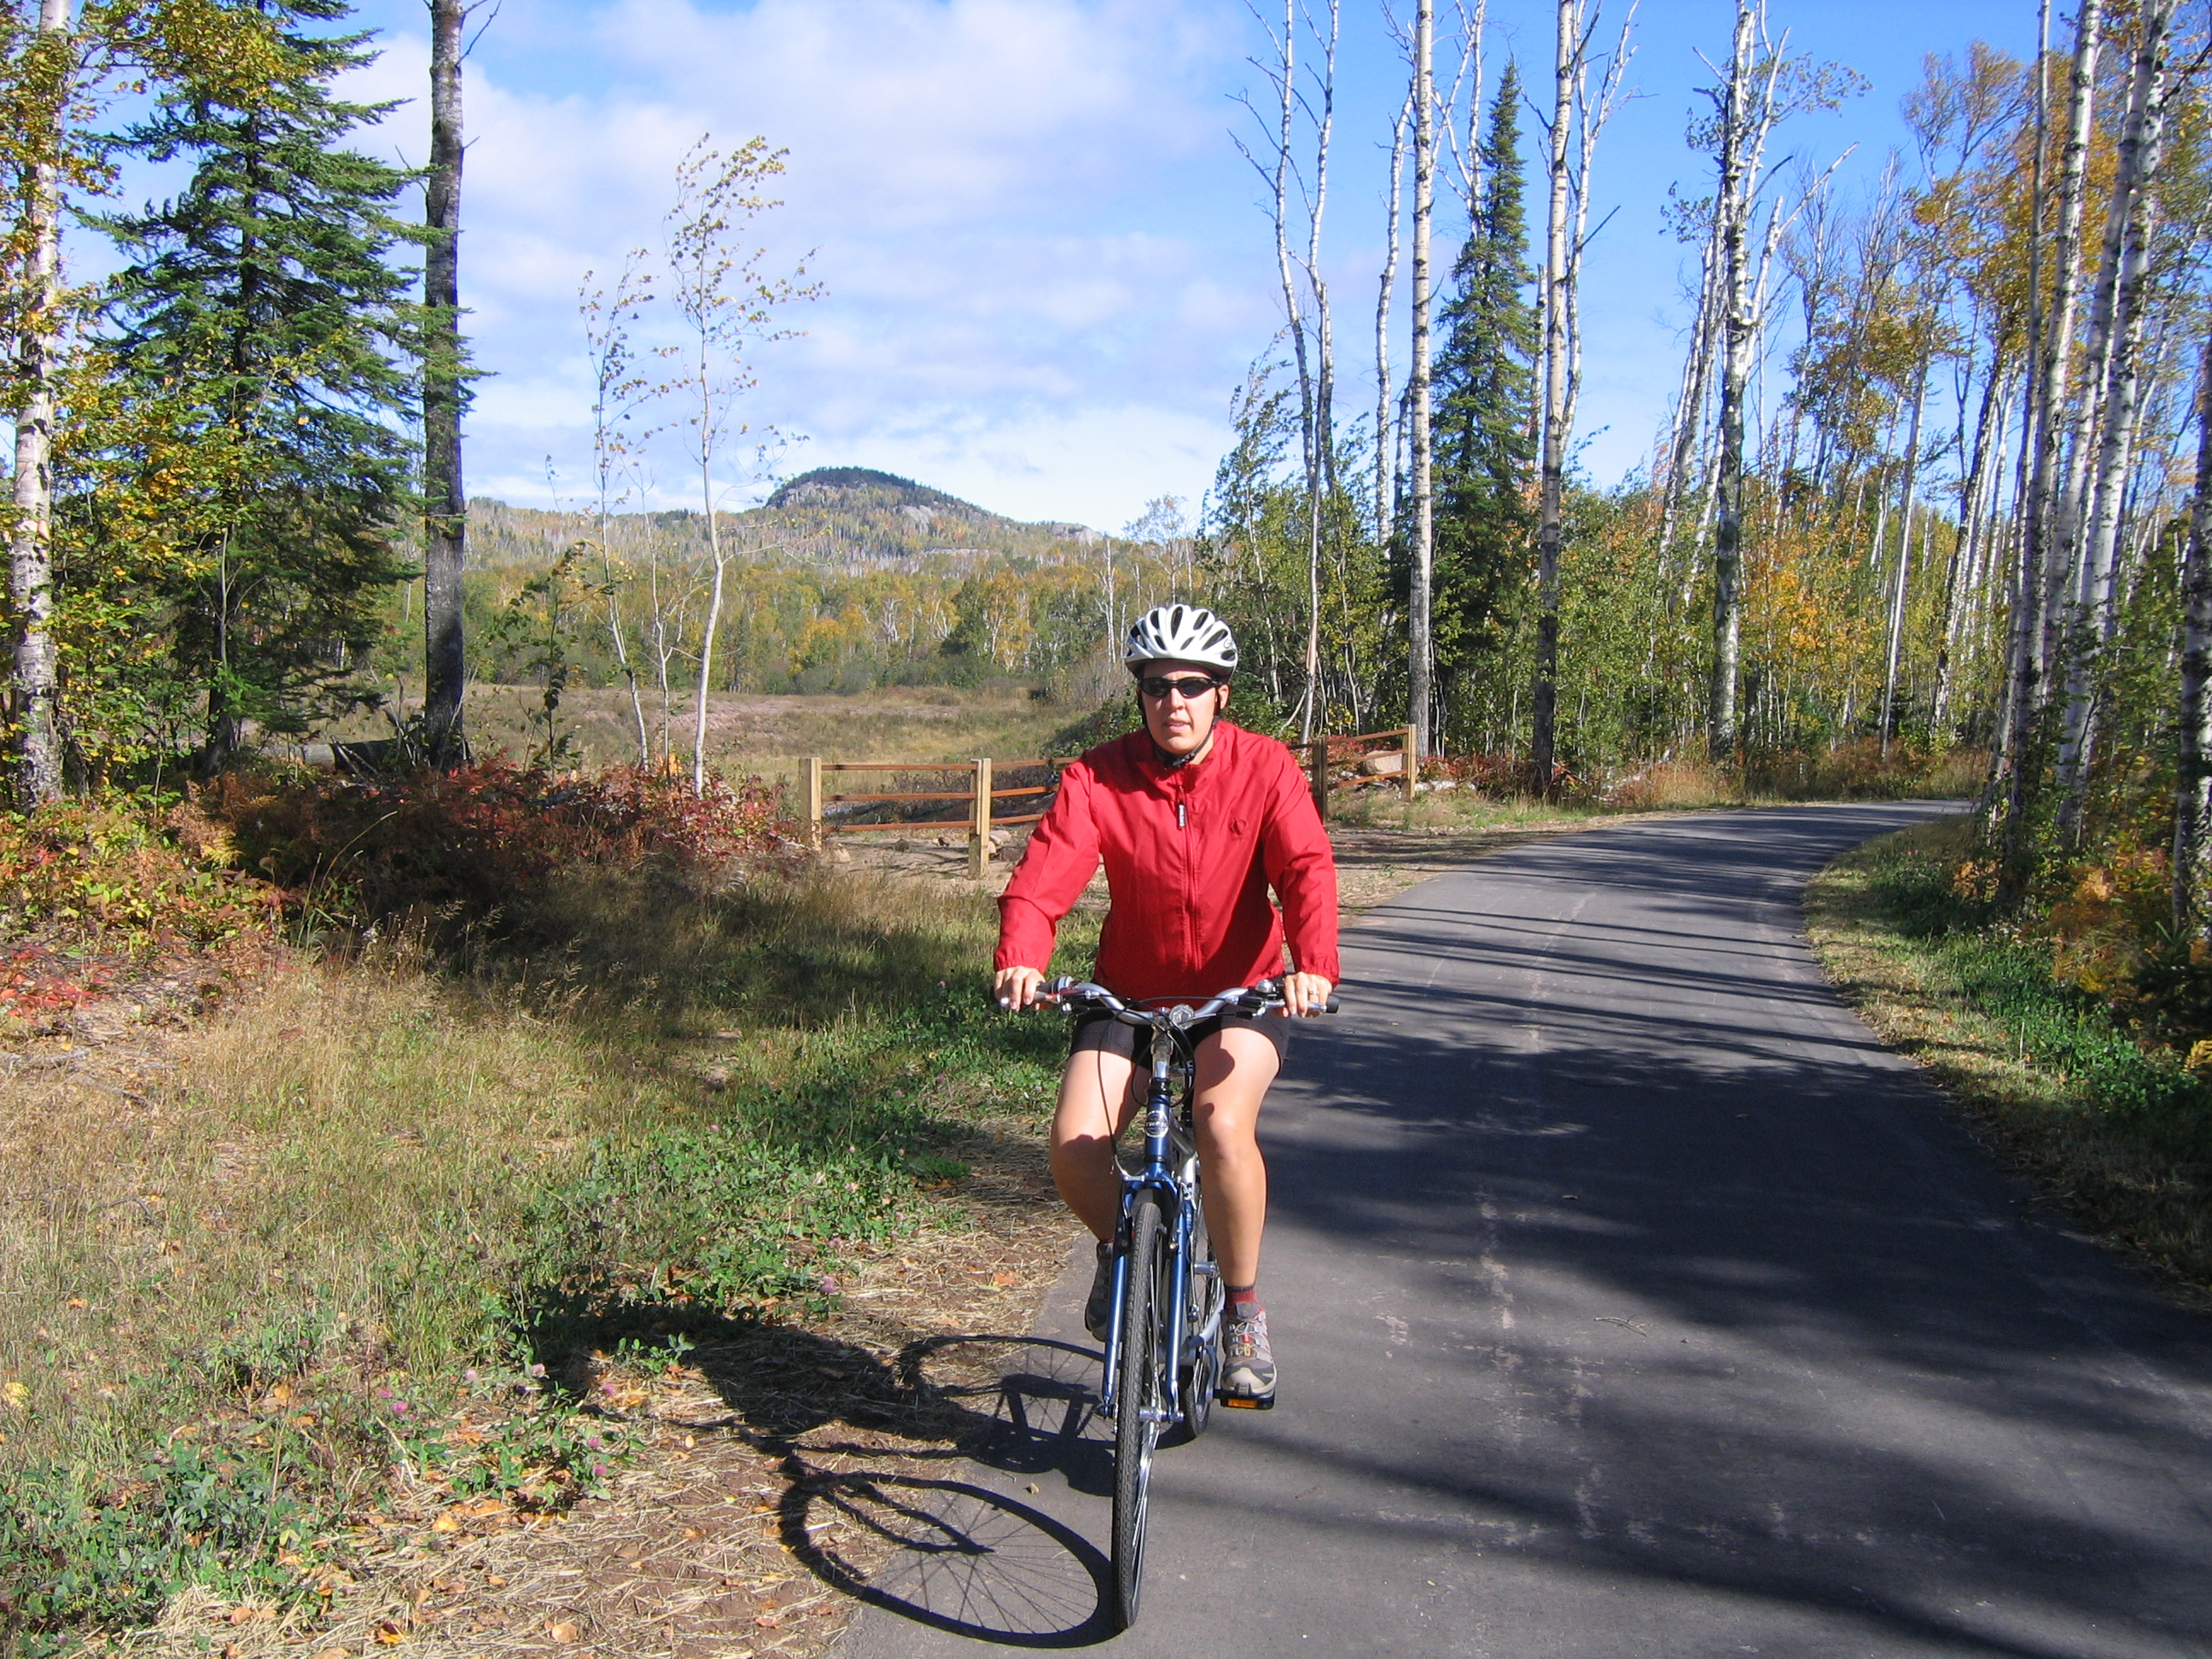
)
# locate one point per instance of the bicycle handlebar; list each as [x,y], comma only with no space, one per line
[1254,1000]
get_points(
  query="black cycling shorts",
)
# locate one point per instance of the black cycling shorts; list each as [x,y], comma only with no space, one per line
[1101,1031]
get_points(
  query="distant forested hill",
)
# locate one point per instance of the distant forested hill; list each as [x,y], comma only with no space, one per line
[845,579]
[846,517]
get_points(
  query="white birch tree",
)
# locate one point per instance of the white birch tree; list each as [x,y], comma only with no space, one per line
[727,304]
[1420,644]
[618,388]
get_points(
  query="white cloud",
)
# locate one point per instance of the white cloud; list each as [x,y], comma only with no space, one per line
[982,186]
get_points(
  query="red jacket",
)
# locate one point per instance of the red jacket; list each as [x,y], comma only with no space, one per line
[1190,855]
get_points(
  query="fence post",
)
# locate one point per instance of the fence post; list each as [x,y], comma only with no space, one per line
[1410,766]
[810,785]
[979,837]
[1320,765]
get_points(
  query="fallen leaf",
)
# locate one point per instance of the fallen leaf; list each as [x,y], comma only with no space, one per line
[445,1523]
[76,1302]
[563,1631]
[769,1620]
[1006,1279]
[333,1653]
[388,1634]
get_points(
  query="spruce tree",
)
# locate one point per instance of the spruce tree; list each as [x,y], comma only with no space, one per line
[1485,379]
[268,286]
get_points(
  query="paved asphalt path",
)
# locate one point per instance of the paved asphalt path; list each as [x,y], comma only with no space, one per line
[1632,1299]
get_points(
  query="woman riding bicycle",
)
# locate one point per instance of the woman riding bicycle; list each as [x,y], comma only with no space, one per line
[1195,819]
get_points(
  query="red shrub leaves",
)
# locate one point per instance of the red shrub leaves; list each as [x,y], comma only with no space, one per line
[107,874]
[477,839]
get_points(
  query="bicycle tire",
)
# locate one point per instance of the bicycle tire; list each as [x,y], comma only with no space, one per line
[1140,1395]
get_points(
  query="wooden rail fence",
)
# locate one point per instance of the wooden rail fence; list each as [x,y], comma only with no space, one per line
[982,799]
[979,797]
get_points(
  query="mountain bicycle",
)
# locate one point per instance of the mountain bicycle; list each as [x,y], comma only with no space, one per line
[1163,1334]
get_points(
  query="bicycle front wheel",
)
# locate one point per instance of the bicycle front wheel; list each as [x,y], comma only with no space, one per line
[1142,1394]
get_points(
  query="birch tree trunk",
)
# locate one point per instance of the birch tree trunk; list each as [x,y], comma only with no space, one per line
[1386,437]
[1419,646]
[707,415]
[1321,473]
[1962,579]
[607,316]
[1904,559]
[2193,800]
[1731,206]
[2027,692]
[1690,405]
[1286,264]
[444,522]
[33,672]
[2142,146]
[1544,698]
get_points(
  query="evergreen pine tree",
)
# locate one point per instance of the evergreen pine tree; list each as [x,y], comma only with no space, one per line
[1485,381]
[267,285]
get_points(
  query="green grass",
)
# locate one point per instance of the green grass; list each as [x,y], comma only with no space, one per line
[378,1202]
[2117,1131]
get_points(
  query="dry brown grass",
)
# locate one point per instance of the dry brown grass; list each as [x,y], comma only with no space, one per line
[758,734]
[739,1531]
[284,1160]
[234,1224]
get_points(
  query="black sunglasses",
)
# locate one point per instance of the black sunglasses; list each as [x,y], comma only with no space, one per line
[1191,686]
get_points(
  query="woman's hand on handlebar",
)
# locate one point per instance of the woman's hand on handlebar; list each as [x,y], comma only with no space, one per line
[1304,995]
[1016,988]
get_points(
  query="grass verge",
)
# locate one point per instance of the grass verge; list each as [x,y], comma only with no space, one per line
[348,1235]
[2117,1132]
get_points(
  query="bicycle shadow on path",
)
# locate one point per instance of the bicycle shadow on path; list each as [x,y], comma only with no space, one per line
[955,1555]
[869,1450]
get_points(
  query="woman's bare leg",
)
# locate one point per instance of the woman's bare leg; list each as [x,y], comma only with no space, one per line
[1234,1067]
[1083,1132]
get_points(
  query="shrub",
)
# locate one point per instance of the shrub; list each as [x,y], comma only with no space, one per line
[1860,771]
[1668,783]
[111,874]
[467,843]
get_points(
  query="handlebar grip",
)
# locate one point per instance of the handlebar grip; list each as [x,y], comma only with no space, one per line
[1334,1006]
[1052,987]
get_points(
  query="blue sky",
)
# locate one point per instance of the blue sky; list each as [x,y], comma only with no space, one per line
[1047,266]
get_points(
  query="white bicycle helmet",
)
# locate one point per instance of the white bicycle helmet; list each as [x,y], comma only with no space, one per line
[1180,633]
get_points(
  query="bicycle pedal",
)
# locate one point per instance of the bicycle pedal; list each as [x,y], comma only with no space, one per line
[1246,1402]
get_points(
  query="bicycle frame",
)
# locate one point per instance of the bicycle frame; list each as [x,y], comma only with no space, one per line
[1171,1168]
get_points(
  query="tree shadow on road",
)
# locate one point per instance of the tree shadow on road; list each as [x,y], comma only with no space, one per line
[1728,1302]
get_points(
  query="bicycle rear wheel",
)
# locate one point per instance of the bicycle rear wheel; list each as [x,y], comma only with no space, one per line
[1141,1396]
[1201,1349]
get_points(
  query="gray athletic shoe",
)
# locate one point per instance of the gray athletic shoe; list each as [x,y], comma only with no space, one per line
[1098,1307]
[1247,1364]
